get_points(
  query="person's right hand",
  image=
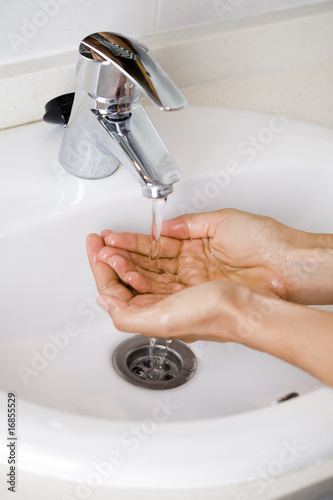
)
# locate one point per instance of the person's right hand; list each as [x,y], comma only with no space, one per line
[221,252]
[247,249]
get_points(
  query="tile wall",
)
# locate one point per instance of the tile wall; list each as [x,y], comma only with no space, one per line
[32,29]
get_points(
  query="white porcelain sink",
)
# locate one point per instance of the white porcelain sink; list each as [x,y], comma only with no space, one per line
[74,411]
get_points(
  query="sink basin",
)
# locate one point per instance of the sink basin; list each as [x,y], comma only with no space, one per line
[74,411]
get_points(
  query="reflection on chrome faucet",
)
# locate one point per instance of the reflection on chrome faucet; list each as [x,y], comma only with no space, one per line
[108,124]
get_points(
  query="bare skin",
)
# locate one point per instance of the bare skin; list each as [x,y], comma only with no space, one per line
[214,273]
[228,245]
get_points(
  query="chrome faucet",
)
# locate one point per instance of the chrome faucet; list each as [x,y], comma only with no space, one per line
[108,124]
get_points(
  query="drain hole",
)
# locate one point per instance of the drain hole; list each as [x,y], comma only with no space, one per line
[138,371]
[172,367]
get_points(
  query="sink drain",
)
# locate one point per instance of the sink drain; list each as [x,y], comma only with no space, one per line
[176,363]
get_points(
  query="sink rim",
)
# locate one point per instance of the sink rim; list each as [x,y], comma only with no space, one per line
[218,443]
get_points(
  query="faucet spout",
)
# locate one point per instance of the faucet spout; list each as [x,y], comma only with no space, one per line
[138,146]
[108,124]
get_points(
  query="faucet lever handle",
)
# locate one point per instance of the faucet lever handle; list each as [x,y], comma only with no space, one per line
[131,58]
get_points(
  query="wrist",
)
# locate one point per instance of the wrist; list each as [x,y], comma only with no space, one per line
[309,269]
[253,315]
[295,333]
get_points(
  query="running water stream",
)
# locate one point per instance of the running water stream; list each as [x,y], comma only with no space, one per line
[158,206]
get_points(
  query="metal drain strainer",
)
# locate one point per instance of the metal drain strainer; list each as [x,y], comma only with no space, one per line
[132,361]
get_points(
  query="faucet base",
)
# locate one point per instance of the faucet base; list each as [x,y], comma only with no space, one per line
[84,152]
[98,174]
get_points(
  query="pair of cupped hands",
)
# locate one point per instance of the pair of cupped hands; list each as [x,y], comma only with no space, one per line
[210,268]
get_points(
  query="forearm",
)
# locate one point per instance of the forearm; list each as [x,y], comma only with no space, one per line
[309,269]
[300,335]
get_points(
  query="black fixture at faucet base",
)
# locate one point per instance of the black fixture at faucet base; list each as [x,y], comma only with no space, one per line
[58,110]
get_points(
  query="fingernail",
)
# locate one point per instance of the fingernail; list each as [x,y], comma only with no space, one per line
[109,233]
[103,303]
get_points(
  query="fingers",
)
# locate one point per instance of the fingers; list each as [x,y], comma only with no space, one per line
[94,244]
[106,279]
[143,262]
[158,266]
[173,231]
[141,280]
[127,271]
[106,253]
[106,233]
[140,244]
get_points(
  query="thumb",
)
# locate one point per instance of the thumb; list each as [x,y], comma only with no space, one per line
[187,226]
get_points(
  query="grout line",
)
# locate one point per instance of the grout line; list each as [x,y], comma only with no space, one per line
[3,129]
